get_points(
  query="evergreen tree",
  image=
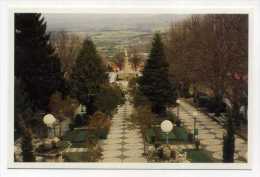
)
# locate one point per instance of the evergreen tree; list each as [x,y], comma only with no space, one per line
[22,108]
[35,62]
[229,143]
[27,148]
[88,75]
[155,83]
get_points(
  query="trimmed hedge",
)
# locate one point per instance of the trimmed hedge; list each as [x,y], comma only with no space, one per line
[198,156]
[211,103]
[178,134]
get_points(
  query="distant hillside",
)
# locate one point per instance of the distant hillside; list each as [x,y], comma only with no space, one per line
[113,32]
[110,22]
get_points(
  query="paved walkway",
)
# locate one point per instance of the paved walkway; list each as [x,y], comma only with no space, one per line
[123,144]
[210,132]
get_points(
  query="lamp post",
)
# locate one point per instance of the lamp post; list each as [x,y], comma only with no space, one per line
[49,120]
[166,127]
[195,131]
[178,108]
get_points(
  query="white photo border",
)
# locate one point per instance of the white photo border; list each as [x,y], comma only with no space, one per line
[246,8]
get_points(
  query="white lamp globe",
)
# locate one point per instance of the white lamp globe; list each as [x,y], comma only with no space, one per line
[166,126]
[178,101]
[49,120]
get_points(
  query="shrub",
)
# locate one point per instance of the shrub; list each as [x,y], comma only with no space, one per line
[76,136]
[80,120]
[62,107]
[213,104]
[171,116]
[204,101]
[190,137]
[100,123]
[109,98]
[199,98]
[143,116]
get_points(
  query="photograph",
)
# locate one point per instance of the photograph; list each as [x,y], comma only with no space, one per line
[130,87]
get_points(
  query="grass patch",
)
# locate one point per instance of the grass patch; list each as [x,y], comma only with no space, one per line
[180,134]
[76,136]
[199,156]
[79,138]
[171,137]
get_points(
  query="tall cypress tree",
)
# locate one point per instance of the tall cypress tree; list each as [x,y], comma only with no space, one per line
[22,108]
[35,62]
[229,141]
[27,147]
[155,83]
[88,75]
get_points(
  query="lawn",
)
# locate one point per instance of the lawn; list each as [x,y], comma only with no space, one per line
[198,156]
[180,134]
[76,136]
[79,138]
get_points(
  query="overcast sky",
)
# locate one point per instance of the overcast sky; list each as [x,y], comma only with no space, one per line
[99,22]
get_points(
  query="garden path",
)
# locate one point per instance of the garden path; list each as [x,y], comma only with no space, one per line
[124,142]
[210,133]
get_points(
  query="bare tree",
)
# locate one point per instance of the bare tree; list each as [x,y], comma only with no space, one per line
[204,49]
[67,47]
[135,58]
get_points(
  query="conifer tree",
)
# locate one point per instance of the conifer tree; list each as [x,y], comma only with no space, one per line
[22,108]
[35,62]
[88,75]
[229,142]
[155,83]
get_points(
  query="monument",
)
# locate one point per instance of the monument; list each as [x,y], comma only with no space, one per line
[127,71]
[127,67]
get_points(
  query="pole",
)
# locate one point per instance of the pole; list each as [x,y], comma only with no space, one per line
[167,141]
[178,110]
[194,128]
[48,132]
[60,128]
